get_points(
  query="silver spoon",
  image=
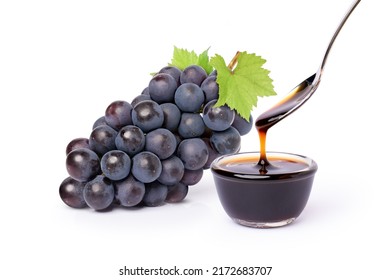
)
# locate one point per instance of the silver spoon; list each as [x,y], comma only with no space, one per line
[301,93]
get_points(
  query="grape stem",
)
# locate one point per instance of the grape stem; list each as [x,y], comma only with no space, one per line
[233,62]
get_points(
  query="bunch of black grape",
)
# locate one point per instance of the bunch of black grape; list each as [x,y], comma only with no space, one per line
[148,152]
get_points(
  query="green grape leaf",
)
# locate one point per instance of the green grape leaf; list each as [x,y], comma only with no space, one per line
[240,87]
[182,58]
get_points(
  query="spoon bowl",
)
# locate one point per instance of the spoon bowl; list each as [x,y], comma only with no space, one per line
[302,92]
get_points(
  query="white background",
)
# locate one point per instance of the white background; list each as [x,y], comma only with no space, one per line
[63,62]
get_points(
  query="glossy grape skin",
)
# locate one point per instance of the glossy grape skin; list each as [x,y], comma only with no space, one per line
[176,193]
[161,142]
[210,89]
[193,153]
[129,192]
[213,154]
[139,98]
[71,193]
[189,98]
[77,143]
[162,88]
[82,164]
[118,114]
[173,71]
[102,139]
[115,165]
[172,116]
[243,127]
[146,167]
[155,194]
[147,115]
[99,193]
[191,125]
[192,177]
[130,139]
[227,141]
[172,171]
[217,118]
[193,74]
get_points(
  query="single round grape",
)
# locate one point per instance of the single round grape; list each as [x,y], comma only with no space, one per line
[162,88]
[147,115]
[191,125]
[193,153]
[172,116]
[173,71]
[172,171]
[192,177]
[82,164]
[189,97]
[102,139]
[210,88]
[115,165]
[100,121]
[242,125]
[176,193]
[99,193]
[155,194]
[118,114]
[146,167]
[193,74]
[213,154]
[139,98]
[71,193]
[76,144]
[227,141]
[130,139]
[129,192]
[161,142]
[217,118]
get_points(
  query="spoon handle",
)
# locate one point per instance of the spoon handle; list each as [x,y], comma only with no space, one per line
[349,12]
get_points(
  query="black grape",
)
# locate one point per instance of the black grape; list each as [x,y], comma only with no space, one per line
[82,164]
[242,126]
[189,98]
[155,194]
[172,116]
[193,152]
[172,171]
[118,114]
[161,142]
[192,177]
[162,88]
[213,154]
[173,71]
[76,144]
[191,125]
[115,165]
[71,193]
[146,167]
[227,141]
[147,115]
[210,89]
[130,139]
[217,118]
[193,74]
[176,193]
[129,192]
[99,193]
[102,139]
